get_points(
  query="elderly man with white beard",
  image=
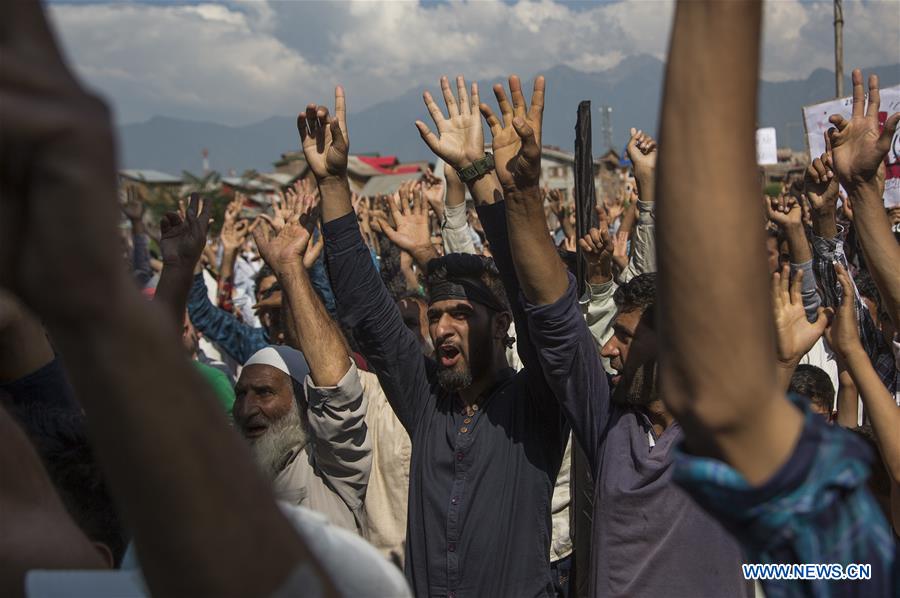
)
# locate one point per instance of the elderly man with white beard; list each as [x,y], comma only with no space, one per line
[306,425]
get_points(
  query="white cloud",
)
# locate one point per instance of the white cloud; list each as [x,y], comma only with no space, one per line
[240,62]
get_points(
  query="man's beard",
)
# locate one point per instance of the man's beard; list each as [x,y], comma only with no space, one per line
[455,378]
[642,389]
[272,448]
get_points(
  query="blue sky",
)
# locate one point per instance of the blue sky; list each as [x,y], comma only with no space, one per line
[240,62]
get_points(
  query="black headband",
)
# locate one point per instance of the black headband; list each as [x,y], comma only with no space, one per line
[463,288]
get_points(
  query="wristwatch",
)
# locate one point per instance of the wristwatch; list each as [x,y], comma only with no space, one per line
[477,169]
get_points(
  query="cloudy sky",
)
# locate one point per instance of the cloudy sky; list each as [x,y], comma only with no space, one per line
[240,62]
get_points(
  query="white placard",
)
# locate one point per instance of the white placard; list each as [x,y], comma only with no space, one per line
[766,146]
[815,118]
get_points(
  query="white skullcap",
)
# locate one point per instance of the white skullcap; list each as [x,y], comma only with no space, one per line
[288,360]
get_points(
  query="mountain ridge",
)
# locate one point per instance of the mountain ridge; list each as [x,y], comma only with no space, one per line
[632,88]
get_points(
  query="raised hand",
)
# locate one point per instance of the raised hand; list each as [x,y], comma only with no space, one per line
[620,249]
[183,238]
[460,138]
[819,183]
[795,335]
[641,150]
[283,207]
[291,245]
[567,223]
[325,142]
[133,207]
[843,333]
[234,234]
[784,211]
[411,230]
[857,144]
[615,210]
[597,246]
[433,190]
[234,231]
[516,141]
[233,209]
[554,199]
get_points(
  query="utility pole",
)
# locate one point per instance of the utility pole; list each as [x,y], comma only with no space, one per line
[839,48]
[606,126]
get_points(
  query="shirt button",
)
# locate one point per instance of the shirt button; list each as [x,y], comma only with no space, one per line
[468,420]
[464,429]
[459,456]
[451,546]
[454,500]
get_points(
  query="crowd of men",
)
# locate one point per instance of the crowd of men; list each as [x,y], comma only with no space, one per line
[406,395]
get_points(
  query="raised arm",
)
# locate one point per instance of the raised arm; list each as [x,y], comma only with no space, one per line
[843,337]
[455,230]
[182,241]
[140,263]
[459,140]
[320,339]
[859,149]
[729,403]
[787,213]
[555,329]
[234,232]
[337,407]
[517,157]
[364,304]
[124,360]
[642,153]
[794,334]
[411,230]
[600,308]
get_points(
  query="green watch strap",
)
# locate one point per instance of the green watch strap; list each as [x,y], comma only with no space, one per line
[476,169]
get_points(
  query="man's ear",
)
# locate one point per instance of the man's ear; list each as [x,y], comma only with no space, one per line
[501,324]
[105,554]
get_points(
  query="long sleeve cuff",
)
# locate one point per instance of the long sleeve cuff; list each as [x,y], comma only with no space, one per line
[455,217]
[809,292]
[347,390]
[829,247]
[598,292]
[198,289]
[646,212]
[342,233]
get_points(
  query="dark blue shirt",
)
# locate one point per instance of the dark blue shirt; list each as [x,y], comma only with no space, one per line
[649,538]
[480,487]
[234,337]
[815,509]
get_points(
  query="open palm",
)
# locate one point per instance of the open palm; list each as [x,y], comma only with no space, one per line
[460,138]
[516,168]
[324,139]
[859,145]
[795,335]
[182,239]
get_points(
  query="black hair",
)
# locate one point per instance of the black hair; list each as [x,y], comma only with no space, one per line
[464,265]
[638,293]
[866,286]
[813,383]
[264,272]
